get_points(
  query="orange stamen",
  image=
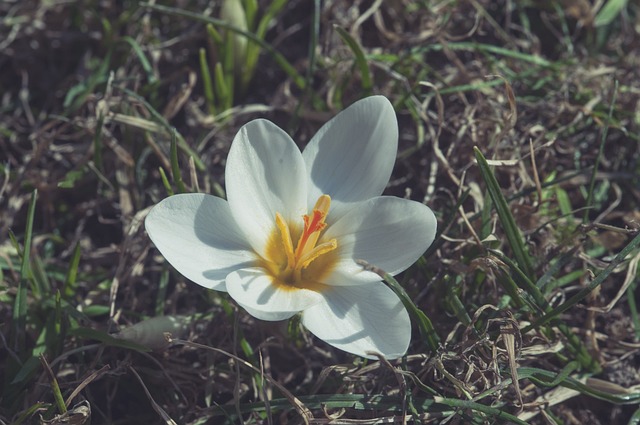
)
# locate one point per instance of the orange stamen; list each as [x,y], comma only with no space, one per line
[313,225]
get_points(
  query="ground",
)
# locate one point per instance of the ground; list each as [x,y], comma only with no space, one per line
[519,127]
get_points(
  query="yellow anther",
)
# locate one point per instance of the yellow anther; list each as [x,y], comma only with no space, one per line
[322,204]
[304,261]
[286,262]
[285,235]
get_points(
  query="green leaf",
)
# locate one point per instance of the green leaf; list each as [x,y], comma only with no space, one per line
[514,237]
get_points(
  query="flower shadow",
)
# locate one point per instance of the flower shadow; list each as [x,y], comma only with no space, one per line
[216,228]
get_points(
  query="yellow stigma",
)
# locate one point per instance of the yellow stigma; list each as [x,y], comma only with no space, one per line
[301,265]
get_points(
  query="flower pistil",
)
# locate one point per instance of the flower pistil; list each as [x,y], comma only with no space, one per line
[294,261]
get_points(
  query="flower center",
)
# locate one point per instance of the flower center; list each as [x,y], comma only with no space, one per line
[301,265]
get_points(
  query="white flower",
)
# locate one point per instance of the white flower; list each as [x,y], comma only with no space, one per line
[287,239]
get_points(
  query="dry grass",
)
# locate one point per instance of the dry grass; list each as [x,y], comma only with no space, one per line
[89,92]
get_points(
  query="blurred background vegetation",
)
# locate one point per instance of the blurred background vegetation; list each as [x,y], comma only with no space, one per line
[529,292]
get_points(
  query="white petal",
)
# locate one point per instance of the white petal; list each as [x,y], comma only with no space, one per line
[254,290]
[265,174]
[352,156]
[361,318]
[388,232]
[198,236]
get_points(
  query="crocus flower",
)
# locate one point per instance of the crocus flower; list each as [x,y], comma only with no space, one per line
[287,238]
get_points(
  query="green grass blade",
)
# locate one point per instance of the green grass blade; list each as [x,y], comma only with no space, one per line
[492,50]
[522,279]
[234,50]
[28,234]
[205,71]
[514,237]
[545,378]
[309,92]
[609,12]
[72,273]
[633,308]
[586,290]
[485,214]
[554,268]
[444,406]
[592,181]
[137,49]
[162,293]
[360,59]
[20,304]
[487,410]
[55,387]
[165,182]
[97,143]
[277,56]
[454,301]
[175,166]
[253,49]
[57,322]
[169,129]
[40,284]
[424,323]
[535,299]
[450,215]
[220,83]
[30,412]
[15,244]
[216,37]
[26,370]
[566,279]
[77,95]
[250,11]
[635,418]
[105,338]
